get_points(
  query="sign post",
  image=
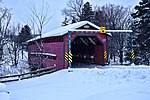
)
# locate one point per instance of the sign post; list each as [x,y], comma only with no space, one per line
[132,51]
[69,51]
[103,30]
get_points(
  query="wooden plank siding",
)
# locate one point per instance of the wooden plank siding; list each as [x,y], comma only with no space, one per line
[52,47]
[58,44]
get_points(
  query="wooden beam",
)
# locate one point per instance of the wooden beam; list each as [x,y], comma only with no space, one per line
[92,41]
[83,41]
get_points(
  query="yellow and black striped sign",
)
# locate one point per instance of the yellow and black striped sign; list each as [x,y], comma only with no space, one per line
[68,56]
[132,54]
[105,55]
[102,29]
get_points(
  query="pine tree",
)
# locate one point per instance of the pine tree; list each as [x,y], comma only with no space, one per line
[87,13]
[74,20]
[24,35]
[65,22]
[142,27]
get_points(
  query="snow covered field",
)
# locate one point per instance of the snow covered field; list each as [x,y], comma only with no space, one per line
[4,95]
[105,83]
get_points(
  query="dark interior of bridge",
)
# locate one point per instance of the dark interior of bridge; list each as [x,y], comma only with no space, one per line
[86,50]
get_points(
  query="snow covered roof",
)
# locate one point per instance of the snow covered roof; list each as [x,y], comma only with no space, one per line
[63,30]
[74,27]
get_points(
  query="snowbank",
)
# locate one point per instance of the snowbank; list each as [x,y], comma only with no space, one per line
[7,68]
[3,92]
[105,83]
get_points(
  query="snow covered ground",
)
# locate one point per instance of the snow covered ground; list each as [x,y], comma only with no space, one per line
[4,95]
[103,83]
[7,65]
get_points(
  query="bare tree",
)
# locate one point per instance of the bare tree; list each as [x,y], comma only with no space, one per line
[11,53]
[39,17]
[9,48]
[73,9]
[118,18]
[12,64]
[115,16]
[5,40]
[5,17]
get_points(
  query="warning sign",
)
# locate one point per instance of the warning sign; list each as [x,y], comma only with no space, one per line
[132,54]
[68,57]
[105,55]
[102,29]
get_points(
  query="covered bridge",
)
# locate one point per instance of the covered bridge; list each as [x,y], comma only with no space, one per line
[82,39]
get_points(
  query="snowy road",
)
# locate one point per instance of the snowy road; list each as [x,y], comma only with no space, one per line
[117,83]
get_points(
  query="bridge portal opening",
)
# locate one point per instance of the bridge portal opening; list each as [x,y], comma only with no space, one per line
[87,50]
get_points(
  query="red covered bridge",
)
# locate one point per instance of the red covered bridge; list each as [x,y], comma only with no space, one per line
[82,39]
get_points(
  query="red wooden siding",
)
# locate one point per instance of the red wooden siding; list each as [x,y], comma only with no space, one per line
[59,45]
[55,48]
[99,54]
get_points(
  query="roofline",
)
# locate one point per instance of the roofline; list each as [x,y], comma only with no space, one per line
[82,30]
[74,27]
[79,30]
[107,31]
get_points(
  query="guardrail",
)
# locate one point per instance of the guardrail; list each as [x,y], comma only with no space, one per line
[31,74]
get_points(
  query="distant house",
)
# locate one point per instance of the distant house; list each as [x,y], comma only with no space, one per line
[83,39]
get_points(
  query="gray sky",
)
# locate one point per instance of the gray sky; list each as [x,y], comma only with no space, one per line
[20,9]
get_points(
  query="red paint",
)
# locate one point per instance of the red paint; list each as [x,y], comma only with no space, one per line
[99,54]
[59,45]
[51,48]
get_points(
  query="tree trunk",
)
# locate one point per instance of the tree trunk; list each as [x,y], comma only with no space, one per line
[22,51]
[15,60]
[114,58]
[121,57]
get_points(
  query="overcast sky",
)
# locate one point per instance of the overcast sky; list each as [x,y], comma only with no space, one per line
[20,9]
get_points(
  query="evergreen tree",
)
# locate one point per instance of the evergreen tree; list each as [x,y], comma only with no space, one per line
[87,13]
[65,22]
[25,34]
[74,20]
[142,27]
